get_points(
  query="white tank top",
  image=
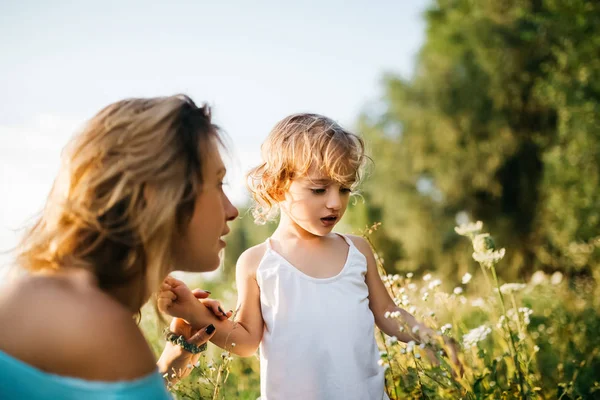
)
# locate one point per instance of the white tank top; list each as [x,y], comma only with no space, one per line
[318,341]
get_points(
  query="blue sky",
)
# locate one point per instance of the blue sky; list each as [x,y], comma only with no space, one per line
[254,62]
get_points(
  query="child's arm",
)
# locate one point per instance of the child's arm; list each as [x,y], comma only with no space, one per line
[246,332]
[380,302]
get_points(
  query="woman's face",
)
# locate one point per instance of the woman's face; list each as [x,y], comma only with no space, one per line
[202,242]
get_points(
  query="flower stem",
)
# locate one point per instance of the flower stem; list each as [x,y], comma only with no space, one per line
[512,340]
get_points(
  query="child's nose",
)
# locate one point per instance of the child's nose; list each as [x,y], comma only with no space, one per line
[334,201]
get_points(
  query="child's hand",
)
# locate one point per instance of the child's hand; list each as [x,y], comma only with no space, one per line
[453,347]
[177,300]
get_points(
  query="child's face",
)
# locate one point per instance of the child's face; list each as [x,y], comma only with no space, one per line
[315,203]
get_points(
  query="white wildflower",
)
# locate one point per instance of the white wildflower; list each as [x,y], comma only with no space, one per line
[426,277]
[500,323]
[488,259]
[466,278]
[415,329]
[476,335]
[478,302]
[508,288]
[536,348]
[469,228]
[458,290]
[412,309]
[483,243]
[538,278]
[409,275]
[434,284]
[197,364]
[526,313]
[412,286]
[446,328]
[417,356]
[410,346]
[556,278]
[425,296]
[387,314]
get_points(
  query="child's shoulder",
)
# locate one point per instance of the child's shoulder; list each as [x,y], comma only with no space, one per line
[361,243]
[250,259]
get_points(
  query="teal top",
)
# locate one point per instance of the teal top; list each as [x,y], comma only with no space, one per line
[19,380]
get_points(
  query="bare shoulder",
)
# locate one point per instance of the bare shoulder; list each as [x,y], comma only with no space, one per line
[250,259]
[67,326]
[361,244]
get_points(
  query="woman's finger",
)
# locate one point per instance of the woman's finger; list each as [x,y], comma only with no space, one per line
[201,294]
[203,335]
[215,307]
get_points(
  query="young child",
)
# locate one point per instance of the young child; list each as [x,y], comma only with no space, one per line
[307,296]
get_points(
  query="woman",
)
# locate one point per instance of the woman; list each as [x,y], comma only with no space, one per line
[138,195]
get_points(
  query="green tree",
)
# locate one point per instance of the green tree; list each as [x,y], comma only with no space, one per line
[500,123]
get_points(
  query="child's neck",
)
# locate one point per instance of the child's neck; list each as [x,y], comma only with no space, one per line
[290,230]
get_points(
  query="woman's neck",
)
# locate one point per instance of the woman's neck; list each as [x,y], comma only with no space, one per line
[132,296]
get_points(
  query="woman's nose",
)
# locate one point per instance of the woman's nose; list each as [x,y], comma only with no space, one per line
[231,212]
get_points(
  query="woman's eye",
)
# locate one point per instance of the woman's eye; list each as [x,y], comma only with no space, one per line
[318,191]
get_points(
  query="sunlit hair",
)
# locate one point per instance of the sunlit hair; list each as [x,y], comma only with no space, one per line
[126,190]
[297,144]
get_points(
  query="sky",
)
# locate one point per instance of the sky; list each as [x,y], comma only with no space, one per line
[253,62]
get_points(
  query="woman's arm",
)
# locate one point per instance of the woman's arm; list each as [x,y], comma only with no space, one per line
[241,336]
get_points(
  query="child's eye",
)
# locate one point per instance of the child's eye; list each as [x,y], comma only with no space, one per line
[318,191]
[345,190]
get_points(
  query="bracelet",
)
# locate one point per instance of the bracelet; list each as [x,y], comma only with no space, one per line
[184,344]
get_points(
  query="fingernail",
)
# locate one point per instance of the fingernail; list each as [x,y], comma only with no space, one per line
[206,291]
[210,329]
[222,312]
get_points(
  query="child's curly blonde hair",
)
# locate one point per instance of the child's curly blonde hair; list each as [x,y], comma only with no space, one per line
[296,144]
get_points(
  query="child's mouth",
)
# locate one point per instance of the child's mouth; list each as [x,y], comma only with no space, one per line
[329,221]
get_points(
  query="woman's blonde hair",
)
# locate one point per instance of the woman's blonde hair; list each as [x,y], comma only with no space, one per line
[126,190]
[296,144]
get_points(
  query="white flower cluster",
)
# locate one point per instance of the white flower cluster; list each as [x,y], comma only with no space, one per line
[469,228]
[393,314]
[476,335]
[526,311]
[446,328]
[489,258]
[434,284]
[466,278]
[508,288]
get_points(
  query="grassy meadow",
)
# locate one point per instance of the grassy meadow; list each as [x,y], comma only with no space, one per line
[519,340]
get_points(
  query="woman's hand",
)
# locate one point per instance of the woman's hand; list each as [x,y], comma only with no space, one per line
[177,300]
[176,363]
